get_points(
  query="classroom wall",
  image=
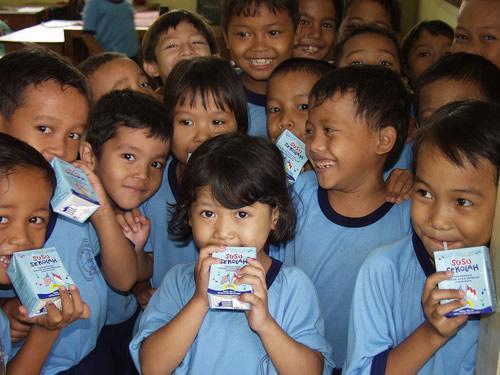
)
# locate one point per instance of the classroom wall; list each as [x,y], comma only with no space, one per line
[172,4]
[437,9]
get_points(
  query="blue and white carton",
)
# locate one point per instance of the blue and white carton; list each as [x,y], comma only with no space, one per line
[36,276]
[294,154]
[222,291]
[472,273]
[74,196]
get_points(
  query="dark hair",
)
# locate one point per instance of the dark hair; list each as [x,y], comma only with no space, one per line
[463,131]
[130,109]
[463,67]
[16,154]
[210,77]
[240,171]
[339,12]
[170,20]
[434,27]
[392,8]
[250,8]
[317,68]
[34,66]
[365,29]
[90,65]
[379,95]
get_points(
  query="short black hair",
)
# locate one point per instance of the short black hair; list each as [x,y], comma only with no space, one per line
[17,155]
[90,65]
[434,27]
[379,95]
[464,131]
[210,77]
[250,8]
[170,20]
[365,29]
[463,67]
[35,65]
[317,68]
[130,109]
[392,8]
[240,171]
[339,12]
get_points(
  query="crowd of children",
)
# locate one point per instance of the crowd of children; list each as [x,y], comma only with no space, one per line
[180,147]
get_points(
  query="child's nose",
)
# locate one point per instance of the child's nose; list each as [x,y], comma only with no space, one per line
[314,31]
[439,218]
[259,41]
[19,237]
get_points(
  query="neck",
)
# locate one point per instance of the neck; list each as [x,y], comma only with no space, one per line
[264,259]
[258,87]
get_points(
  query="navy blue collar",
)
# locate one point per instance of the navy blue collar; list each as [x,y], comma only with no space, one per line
[172,179]
[273,272]
[51,224]
[255,98]
[423,256]
[350,222]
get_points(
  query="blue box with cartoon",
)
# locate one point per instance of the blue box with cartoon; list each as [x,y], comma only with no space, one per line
[294,154]
[74,197]
[36,276]
[222,290]
[472,273]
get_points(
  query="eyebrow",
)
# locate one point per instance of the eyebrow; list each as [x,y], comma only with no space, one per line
[469,190]
[119,82]
[363,50]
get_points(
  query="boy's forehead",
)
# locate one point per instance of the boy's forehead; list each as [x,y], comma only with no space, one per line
[483,13]
[248,14]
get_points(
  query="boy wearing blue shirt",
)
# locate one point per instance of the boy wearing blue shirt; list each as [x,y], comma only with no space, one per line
[44,102]
[357,126]
[397,322]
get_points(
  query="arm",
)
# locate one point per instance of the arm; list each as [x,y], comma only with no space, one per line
[91,43]
[399,185]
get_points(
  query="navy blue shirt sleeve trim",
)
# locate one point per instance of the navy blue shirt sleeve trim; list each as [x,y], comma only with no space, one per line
[51,224]
[273,272]
[423,256]
[379,363]
[255,98]
[172,179]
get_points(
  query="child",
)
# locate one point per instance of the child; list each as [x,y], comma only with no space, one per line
[114,71]
[25,173]
[383,13]
[478,29]
[319,21]
[425,44]
[176,35]
[460,76]
[356,127]
[259,36]
[204,99]
[288,91]
[126,145]
[234,193]
[396,319]
[44,102]
[370,45]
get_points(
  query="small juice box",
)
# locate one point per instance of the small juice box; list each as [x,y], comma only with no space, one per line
[472,273]
[37,276]
[74,196]
[294,154]
[222,291]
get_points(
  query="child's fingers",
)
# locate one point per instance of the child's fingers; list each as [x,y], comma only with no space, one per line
[250,298]
[130,219]
[76,299]
[123,223]
[432,282]
[443,309]
[67,307]
[440,294]
[259,288]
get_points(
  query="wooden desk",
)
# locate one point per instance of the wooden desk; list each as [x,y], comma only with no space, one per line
[21,17]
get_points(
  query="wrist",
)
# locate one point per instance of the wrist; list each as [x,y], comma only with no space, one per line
[267,327]
[199,303]
[434,338]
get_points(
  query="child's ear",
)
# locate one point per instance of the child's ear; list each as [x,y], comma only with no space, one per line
[87,155]
[151,69]
[275,215]
[386,139]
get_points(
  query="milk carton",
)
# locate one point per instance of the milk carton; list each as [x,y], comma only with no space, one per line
[294,154]
[74,197]
[472,273]
[222,290]
[36,276]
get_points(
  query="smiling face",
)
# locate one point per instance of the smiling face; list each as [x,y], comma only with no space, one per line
[457,209]
[478,29]
[316,32]
[259,44]
[215,225]
[363,12]
[370,49]
[51,119]
[179,43]
[130,166]
[426,51]
[23,222]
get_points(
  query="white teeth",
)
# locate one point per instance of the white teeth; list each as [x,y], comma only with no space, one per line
[311,49]
[325,164]
[5,259]
[261,61]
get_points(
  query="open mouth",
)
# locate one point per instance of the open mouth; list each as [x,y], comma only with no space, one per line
[5,260]
[261,62]
[324,164]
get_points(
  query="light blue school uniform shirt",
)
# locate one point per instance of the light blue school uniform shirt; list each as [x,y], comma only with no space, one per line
[225,343]
[5,346]
[330,249]
[257,117]
[167,251]
[386,309]
[112,23]
[78,247]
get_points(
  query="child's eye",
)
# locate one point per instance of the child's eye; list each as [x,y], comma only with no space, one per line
[327,25]
[129,157]
[186,122]
[218,122]
[74,136]
[157,165]
[462,202]
[424,54]
[201,42]
[207,214]
[44,129]
[274,32]
[243,34]
[274,109]
[302,107]
[36,220]
[329,131]
[242,214]
[386,63]
[145,85]
[304,22]
[356,62]
[461,37]
[489,38]
[171,45]
[424,194]
[4,220]
[308,131]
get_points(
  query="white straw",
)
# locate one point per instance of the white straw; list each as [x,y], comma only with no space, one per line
[445,244]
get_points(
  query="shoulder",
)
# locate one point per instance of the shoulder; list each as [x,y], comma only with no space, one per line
[293,280]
